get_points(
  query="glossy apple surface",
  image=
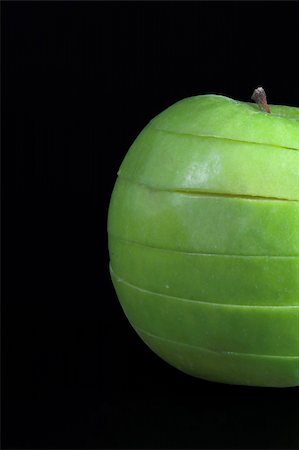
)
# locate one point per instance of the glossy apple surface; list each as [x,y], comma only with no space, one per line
[203,232]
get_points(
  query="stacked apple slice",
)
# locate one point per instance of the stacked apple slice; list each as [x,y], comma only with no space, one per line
[204,240]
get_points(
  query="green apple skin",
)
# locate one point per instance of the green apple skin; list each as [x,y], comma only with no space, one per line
[203,231]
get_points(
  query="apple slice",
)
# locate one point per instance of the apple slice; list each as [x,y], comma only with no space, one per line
[203,223]
[166,160]
[226,367]
[218,116]
[262,330]
[256,281]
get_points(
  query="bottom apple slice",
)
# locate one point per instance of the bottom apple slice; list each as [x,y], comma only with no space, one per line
[225,367]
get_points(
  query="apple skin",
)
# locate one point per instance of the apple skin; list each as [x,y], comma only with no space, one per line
[204,243]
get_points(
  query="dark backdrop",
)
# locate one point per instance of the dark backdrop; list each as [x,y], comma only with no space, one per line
[80,81]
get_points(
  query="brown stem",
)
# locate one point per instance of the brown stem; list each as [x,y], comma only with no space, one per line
[259,96]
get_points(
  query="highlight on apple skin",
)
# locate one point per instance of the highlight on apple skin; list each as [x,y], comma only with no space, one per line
[203,231]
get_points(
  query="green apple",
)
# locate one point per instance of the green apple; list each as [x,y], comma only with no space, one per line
[203,230]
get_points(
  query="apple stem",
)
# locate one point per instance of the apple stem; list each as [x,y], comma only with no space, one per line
[259,96]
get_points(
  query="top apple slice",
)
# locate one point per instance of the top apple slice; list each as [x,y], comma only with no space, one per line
[219,116]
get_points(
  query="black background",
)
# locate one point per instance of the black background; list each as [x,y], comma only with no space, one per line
[80,81]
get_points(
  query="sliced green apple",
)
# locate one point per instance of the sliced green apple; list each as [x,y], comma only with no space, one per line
[204,239]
